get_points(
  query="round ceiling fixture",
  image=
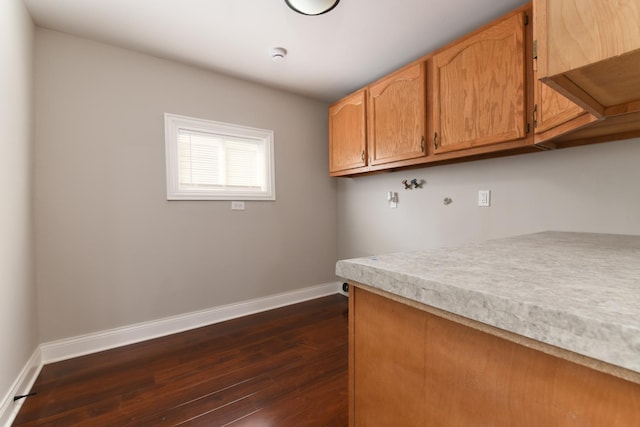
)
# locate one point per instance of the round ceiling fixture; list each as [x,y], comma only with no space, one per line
[312,7]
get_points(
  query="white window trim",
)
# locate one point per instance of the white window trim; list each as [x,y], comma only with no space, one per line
[173,123]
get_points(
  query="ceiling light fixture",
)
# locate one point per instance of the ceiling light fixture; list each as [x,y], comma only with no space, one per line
[312,7]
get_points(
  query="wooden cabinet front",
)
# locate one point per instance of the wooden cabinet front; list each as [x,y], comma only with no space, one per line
[554,114]
[590,49]
[409,367]
[480,97]
[479,88]
[347,134]
[389,371]
[397,116]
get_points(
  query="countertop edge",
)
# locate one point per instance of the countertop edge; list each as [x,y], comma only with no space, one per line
[605,341]
[546,348]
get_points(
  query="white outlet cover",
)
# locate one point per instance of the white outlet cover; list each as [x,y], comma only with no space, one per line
[484,198]
[237,206]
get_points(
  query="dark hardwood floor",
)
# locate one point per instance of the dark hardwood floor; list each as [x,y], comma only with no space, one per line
[284,367]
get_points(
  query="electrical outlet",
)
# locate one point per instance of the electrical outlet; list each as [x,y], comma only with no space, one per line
[237,206]
[484,198]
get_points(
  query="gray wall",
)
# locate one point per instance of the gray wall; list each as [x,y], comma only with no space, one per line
[112,251]
[592,188]
[18,314]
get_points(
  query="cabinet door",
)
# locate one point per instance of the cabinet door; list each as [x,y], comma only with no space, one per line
[409,368]
[479,88]
[555,115]
[347,134]
[396,113]
[388,362]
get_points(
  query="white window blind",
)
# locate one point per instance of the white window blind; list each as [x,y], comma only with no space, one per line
[217,161]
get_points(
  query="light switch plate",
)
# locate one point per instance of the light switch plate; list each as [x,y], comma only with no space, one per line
[237,206]
[484,198]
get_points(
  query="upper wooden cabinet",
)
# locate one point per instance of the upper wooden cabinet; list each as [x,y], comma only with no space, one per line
[397,117]
[480,88]
[481,96]
[554,114]
[590,50]
[347,135]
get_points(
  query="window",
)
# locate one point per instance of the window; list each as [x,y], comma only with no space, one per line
[209,160]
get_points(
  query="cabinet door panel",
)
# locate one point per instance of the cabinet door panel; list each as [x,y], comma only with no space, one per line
[397,116]
[389,393]
[553,109]
[409,367]
[347,133]
[584,32]
[555,115]
[480,88]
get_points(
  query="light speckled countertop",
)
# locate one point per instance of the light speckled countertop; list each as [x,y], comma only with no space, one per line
[577,291]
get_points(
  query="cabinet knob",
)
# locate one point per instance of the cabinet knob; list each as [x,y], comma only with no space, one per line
[362,155]
[435,140]
[422,144]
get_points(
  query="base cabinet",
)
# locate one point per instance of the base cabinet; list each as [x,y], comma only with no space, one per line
[409,367]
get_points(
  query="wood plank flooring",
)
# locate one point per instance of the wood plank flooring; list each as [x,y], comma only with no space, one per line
[283,367]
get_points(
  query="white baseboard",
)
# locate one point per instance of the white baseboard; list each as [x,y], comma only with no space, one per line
[21,386]
[104,340]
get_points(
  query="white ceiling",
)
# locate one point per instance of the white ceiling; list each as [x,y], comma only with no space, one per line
[328,57]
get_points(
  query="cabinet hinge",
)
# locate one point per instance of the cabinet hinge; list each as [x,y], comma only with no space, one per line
[526,19]
[535,49]
[528,128]
[534,116]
